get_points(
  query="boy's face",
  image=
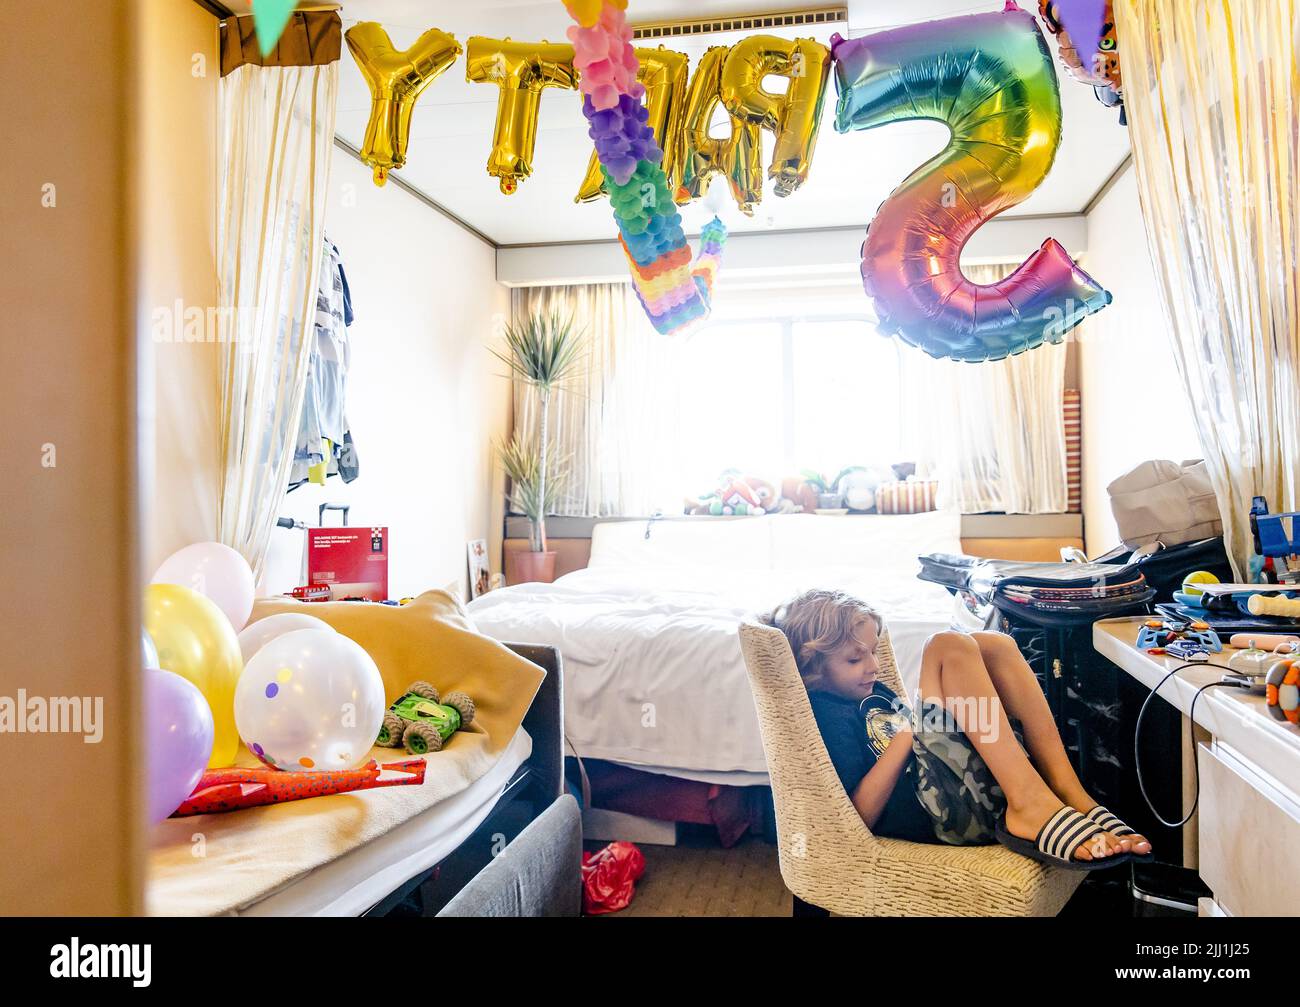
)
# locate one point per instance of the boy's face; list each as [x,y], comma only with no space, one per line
[850,672]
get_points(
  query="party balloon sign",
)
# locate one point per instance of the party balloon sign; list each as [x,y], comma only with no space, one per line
[664,75]
[521,70]
[396,78]
[989,78]
[1087,45]
[793,117]
[673,293]
[737,157]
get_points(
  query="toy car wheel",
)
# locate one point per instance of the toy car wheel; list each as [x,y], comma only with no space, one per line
[424,690]
[462,704]
[390,734]
[421,739]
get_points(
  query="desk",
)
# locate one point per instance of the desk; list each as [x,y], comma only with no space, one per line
[1249,815]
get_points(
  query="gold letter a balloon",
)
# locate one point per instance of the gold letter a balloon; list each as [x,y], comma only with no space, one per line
[196,641]
[396,80]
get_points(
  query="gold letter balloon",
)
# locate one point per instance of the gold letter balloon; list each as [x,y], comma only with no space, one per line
[792,117]
[521,70]
[665,74]
[396,79]
[738,157]
[196,641]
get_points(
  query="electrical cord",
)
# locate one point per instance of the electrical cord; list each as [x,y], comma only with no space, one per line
[1191,733]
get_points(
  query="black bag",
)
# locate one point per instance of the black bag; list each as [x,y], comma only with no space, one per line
[1048,594]
[1165,569]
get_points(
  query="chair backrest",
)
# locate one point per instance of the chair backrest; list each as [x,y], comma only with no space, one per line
[820,833]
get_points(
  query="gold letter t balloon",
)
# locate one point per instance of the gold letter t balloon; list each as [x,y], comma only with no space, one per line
[396,79]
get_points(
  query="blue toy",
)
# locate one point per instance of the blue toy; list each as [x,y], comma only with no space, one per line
[1157,635]
[1277,540]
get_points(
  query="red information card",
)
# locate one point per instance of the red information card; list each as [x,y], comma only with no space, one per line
[352,562]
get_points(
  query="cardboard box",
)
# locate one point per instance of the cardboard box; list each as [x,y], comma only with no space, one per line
[352,562]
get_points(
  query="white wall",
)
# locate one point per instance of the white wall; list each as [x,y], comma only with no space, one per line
[425,399]
[1133,404]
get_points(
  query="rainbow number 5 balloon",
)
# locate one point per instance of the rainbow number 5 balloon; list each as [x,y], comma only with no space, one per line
[989,77]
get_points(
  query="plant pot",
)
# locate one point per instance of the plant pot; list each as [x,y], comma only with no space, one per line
[524,566]
[830,501]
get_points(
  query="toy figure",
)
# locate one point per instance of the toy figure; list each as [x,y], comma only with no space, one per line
[249,787]
[423,723]
[1156,636]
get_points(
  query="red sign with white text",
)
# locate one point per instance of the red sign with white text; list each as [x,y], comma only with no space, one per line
[351,562]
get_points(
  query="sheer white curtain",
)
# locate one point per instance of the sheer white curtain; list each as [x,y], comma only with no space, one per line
[276,133]
[1210,87]
[993,433]
[613,423]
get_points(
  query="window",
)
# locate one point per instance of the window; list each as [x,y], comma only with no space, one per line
[773,397]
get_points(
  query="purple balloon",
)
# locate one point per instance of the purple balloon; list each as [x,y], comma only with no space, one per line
[178,740]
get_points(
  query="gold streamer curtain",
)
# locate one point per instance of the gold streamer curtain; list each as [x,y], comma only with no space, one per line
[276,128]
[1211,90]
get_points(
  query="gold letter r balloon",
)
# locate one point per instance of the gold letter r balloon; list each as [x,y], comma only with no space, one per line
[396,79]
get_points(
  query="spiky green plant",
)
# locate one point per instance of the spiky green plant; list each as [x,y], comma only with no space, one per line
[542,351]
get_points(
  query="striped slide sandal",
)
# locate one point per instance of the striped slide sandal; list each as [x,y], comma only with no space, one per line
[1116,826]
[1058,840]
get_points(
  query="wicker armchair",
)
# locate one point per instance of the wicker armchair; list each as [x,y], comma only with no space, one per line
[830,859]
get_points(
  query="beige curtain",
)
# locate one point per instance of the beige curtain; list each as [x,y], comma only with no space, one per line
[608,423]
[277,129]
[1210,87]
[993,433]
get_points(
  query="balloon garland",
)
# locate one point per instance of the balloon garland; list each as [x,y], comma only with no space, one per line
[674,294]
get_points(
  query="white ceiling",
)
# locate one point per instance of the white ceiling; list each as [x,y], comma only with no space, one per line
[851,174]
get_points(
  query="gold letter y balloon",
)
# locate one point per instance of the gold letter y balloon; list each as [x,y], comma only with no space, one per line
[396,79]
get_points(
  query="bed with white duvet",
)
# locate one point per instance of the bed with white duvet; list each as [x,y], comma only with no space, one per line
[653,674]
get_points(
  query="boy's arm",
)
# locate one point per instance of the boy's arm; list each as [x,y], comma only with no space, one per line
[872,792]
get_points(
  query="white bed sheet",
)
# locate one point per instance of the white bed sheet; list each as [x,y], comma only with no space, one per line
[358,880]
[653,674]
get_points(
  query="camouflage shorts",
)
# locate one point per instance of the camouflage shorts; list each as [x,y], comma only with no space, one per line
[953,784]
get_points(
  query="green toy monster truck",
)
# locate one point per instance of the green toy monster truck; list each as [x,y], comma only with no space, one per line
[423,723]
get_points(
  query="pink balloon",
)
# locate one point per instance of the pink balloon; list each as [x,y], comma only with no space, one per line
[178,740]
[215,571]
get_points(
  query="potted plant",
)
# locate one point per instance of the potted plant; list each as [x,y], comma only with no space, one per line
[542,352]
[828,498]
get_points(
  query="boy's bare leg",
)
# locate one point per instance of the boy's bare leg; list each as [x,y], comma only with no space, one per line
[1018,688]
[953,675]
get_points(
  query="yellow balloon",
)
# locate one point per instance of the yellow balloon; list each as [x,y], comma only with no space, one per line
[196,641]
[738,157]
[396,79]
[664,74]
[521,70]
[792,117]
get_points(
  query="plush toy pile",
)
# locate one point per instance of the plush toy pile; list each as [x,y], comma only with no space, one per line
[674,294]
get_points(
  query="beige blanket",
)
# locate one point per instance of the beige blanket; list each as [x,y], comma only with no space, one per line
[210,864]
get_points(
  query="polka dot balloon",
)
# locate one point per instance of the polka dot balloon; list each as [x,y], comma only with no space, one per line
[310,700]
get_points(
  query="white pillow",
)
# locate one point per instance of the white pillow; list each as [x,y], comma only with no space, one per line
[740,543]
[881,542]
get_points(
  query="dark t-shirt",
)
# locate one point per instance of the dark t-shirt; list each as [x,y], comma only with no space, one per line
[844,731]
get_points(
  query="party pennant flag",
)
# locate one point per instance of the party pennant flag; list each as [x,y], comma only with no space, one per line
[269,18]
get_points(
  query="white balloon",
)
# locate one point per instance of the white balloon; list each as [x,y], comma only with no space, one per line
[257,635]
[215,571]
[310,700]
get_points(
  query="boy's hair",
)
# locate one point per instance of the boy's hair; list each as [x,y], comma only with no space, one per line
[819,622]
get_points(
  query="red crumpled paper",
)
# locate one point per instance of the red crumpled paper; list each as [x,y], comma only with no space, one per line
[609,878]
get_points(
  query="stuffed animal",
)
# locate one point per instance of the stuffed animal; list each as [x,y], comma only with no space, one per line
[736,494]
[859,488]
[798,496]
[422,722]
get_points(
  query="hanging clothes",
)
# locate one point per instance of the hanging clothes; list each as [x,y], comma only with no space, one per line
[324,446]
